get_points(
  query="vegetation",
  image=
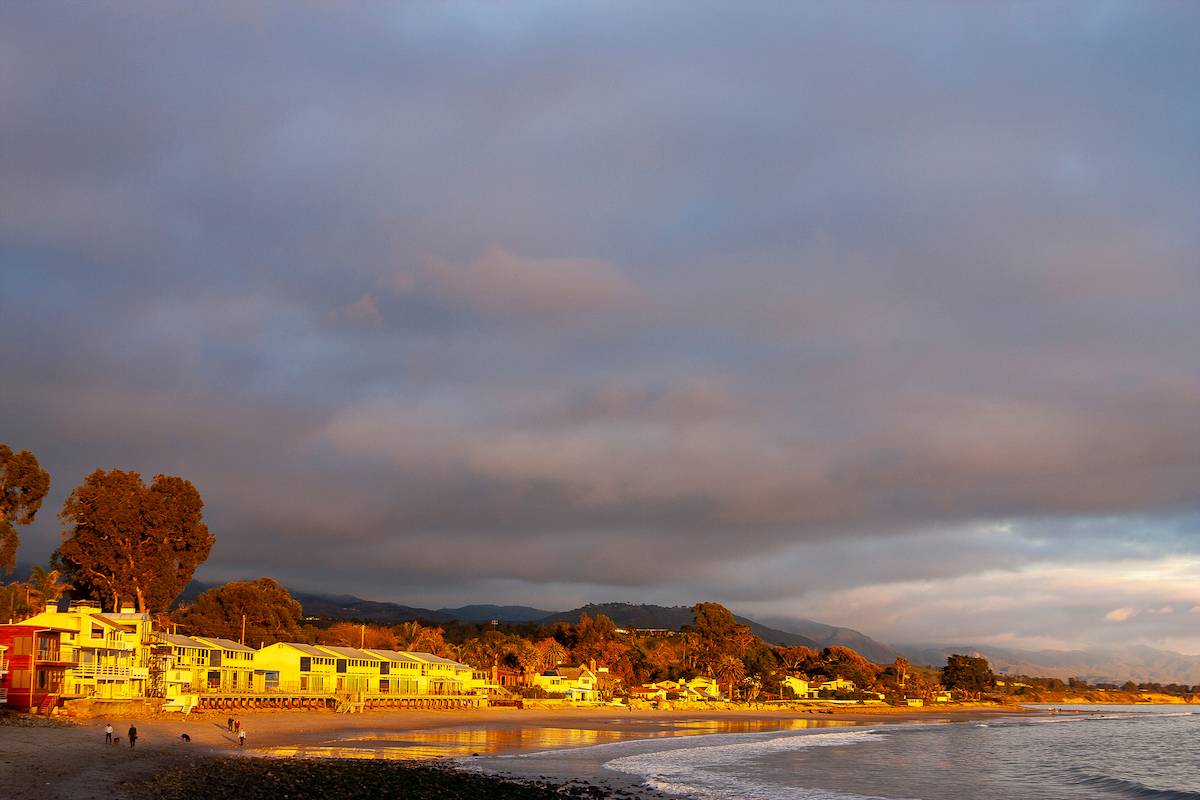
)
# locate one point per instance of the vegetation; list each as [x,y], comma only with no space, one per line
[970,675]
[23,486]
[132,543]
[256,613]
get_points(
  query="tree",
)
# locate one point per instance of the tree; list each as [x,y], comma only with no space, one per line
[968,674]
[842,662]
[23,486]
[718,634]
[268,611]
[47,588]
[730,671]
[130,542]
[902,664]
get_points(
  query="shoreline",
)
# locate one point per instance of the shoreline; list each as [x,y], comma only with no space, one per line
[69,760]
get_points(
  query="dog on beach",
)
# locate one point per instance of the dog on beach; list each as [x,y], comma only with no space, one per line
[116,741]
[183,737]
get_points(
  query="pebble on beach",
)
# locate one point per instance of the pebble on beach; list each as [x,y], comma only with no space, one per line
[319,779]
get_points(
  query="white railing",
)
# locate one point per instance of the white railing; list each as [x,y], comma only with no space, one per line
[3,665]
[103,671]
[3,696]
[47,655]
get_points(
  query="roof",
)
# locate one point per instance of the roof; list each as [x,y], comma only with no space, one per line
[226,644]
[432,659]
[348,652]
[394,655]
[306,649]
[56,616]
[125,616]
[176,640]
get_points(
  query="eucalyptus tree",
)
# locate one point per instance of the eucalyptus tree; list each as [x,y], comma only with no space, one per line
[129,543]
[23,486]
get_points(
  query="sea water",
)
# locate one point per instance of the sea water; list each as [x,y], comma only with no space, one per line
[1098,752]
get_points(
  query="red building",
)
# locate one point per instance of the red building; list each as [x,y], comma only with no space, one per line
[35,666]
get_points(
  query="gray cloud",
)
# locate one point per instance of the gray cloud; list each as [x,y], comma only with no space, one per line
[461,302]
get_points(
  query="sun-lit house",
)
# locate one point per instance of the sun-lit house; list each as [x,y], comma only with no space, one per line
[798,686]
[36,666]
[354,670]
[231,665]
[108,659]
[445,677]
[575,683]
[297,668]
[400,673]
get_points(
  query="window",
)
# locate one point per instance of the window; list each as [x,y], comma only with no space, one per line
[383,670]
[97,631]
[341,665]
[306,663]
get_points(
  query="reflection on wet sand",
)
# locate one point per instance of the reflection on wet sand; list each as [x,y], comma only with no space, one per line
[457,742]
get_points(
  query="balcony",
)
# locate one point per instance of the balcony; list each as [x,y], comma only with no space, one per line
[53,654]
[108,671]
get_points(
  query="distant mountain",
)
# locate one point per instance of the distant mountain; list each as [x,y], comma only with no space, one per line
[1137,663]
[350,607]
[672,618]
[486,613]
[833,636]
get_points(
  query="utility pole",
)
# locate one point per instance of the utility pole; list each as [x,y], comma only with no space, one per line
[243,628]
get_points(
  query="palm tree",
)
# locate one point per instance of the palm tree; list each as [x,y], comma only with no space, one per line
[730,670]
[48,587]
[552,653]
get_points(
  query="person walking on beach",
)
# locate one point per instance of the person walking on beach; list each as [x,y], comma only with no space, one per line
[241,736]
[229,723]
[132,736]
[237,724]
[108,733]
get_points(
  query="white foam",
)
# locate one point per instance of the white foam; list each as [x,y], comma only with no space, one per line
[702,771]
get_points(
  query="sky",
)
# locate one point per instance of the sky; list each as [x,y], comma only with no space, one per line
[878,314]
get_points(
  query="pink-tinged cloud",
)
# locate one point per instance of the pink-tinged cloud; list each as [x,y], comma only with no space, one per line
[504,284]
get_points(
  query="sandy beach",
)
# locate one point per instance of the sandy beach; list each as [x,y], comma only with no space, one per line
[70,760]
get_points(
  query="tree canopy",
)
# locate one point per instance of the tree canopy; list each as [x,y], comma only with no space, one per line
[132,543]
[968,674]
[23,486]
[271,615]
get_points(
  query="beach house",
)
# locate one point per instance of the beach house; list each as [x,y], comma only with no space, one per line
[35,666]
[108,659]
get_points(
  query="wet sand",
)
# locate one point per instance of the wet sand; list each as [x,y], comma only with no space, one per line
[71,760]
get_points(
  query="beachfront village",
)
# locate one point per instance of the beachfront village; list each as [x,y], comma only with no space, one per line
[83,660]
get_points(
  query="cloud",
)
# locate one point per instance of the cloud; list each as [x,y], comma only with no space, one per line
[502,284]
[876,317]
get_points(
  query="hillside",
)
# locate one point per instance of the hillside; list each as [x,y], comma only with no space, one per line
[1137,663]
[487,613]
[626,615]
[833,636]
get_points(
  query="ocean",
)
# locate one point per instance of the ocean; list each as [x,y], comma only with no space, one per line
[1093,752]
